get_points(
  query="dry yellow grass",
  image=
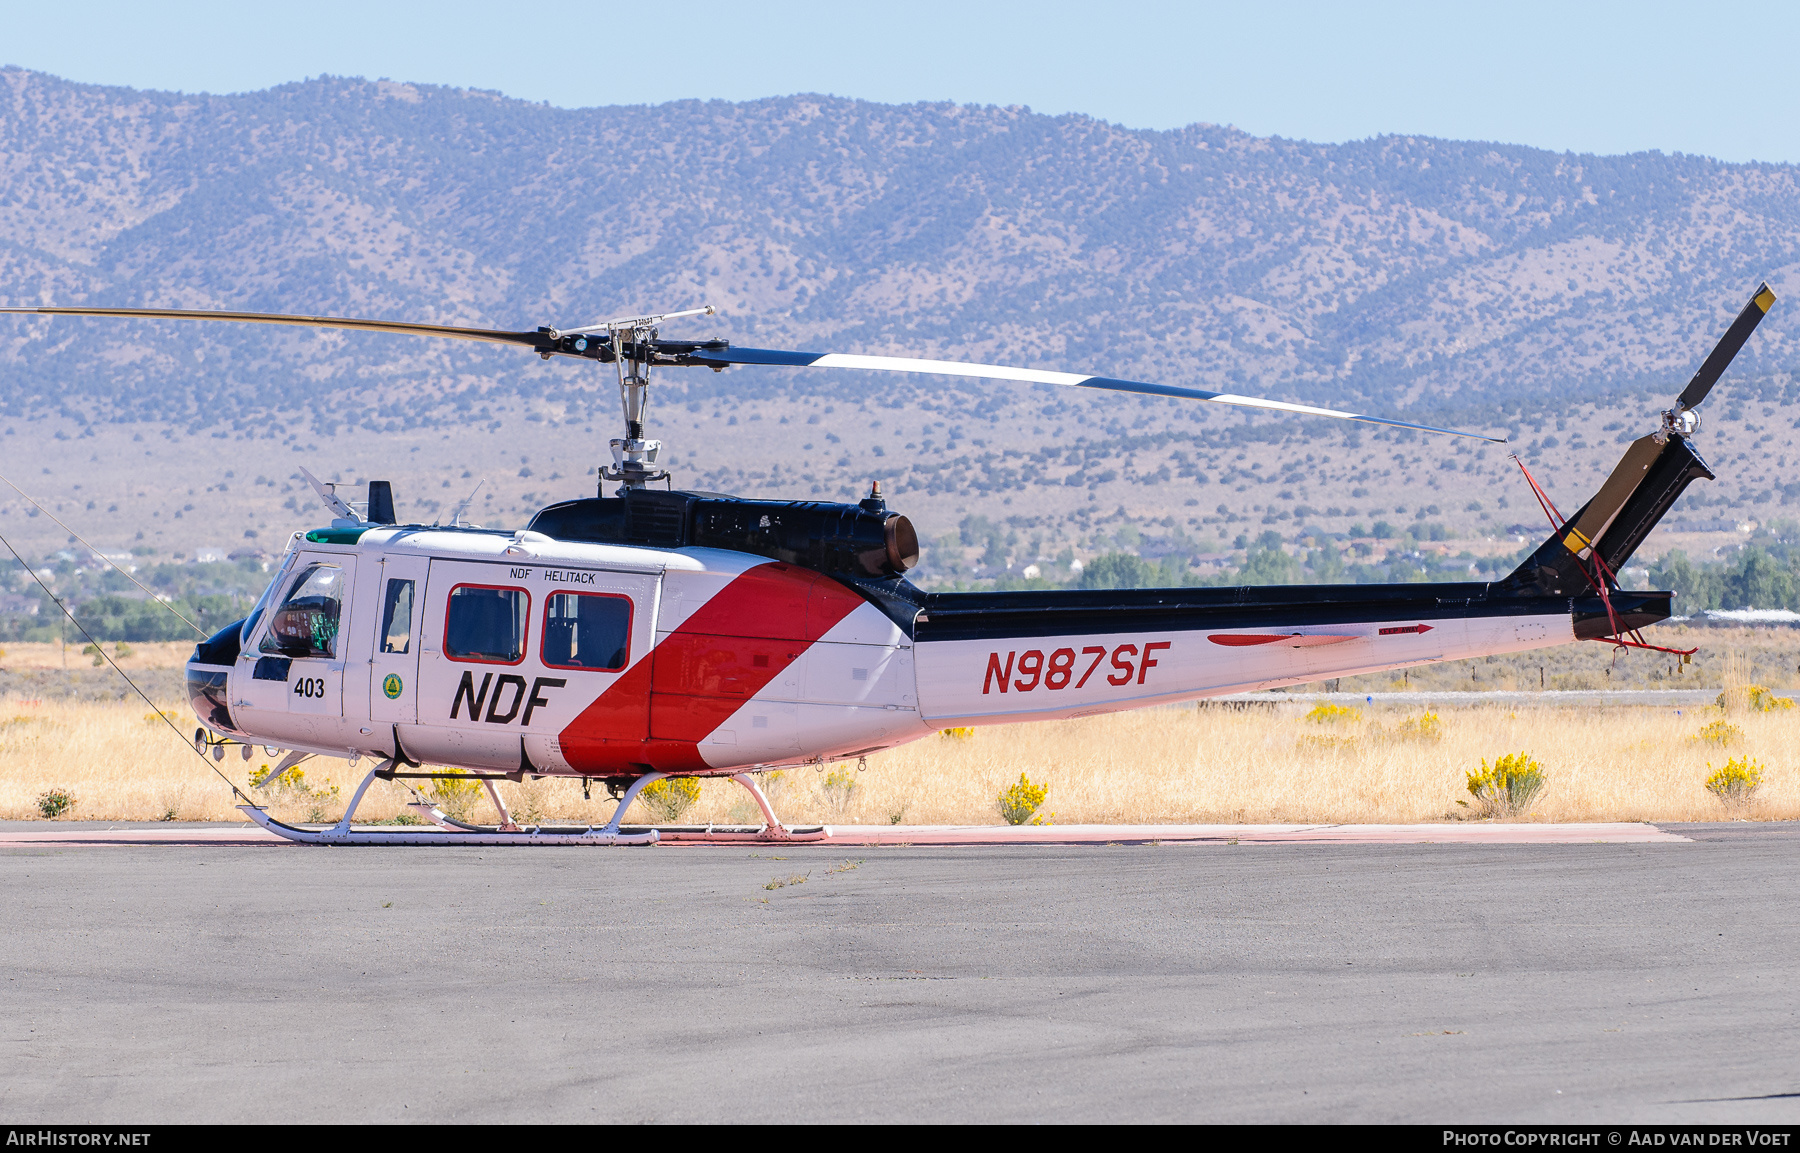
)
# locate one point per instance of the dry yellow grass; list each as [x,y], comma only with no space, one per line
[18,656]
[1167,765]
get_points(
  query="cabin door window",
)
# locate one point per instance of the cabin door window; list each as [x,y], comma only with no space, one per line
[399,635]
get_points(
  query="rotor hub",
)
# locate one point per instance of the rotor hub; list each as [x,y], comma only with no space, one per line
[634,461]
[1678,421]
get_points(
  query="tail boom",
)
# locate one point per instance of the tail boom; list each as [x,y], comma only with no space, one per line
[998,658]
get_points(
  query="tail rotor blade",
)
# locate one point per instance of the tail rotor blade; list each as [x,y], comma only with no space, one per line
[1726,349]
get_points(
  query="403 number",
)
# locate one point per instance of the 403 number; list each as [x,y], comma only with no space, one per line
[309,687]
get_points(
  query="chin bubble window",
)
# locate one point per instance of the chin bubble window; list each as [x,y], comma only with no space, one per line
[306,624]
[486,624]
[587,631]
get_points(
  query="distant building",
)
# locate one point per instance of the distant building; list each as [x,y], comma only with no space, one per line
[1744,526]
[1739,618]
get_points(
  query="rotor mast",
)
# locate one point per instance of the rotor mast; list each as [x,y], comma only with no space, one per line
[633,341]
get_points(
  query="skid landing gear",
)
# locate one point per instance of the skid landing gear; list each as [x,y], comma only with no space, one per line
[770,830]
[450,831]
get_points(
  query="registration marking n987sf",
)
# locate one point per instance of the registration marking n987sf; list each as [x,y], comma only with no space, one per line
[1025,671]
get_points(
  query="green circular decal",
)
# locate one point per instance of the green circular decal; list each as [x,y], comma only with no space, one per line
[391,686]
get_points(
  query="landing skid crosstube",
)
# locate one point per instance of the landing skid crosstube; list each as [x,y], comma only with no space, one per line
[449,831]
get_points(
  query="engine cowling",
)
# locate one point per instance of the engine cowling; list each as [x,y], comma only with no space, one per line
[860,540]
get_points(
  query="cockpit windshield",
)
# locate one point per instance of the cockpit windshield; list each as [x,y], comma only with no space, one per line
[262,602]
[306,624]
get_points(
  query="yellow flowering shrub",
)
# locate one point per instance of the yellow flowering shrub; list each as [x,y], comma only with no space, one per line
[1719,733]
[1020,802]
[1509,787]
[1736,783]
[670,797]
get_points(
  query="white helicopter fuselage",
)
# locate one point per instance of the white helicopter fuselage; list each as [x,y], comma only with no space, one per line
[523,653]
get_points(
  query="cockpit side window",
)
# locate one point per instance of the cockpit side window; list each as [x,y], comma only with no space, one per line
[306,624]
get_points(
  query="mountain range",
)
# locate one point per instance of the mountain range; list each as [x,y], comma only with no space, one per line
[1404,274]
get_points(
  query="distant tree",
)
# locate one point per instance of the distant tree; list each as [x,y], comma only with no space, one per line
[1757,581]
[1118,570]
[1696,587]
[1268,565]
[1326,563]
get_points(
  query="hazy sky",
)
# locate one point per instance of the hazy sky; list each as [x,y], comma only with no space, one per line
[1602,77]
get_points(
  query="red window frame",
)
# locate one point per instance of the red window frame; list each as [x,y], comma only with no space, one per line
[524,629]
[630,619]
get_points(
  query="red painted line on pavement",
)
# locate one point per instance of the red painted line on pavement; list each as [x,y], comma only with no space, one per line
[1621,833]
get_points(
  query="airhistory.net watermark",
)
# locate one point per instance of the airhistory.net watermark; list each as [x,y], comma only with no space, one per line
[65,1138]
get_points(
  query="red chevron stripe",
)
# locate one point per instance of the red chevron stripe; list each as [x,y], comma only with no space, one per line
[654,716]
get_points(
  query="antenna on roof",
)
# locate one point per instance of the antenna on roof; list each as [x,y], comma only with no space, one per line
[328,493]
[456,513]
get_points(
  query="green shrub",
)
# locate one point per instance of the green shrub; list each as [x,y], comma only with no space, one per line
[55,803]
[1019,802]
[670,797]
[1736,783]
[1509,787]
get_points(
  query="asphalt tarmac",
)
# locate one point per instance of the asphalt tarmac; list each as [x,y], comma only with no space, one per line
[1199,982]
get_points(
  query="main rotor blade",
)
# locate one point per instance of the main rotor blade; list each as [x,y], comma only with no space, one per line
[405,328]
[1720,358]
[1038,376]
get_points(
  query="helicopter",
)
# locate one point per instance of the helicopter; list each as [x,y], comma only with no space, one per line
[656,633]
